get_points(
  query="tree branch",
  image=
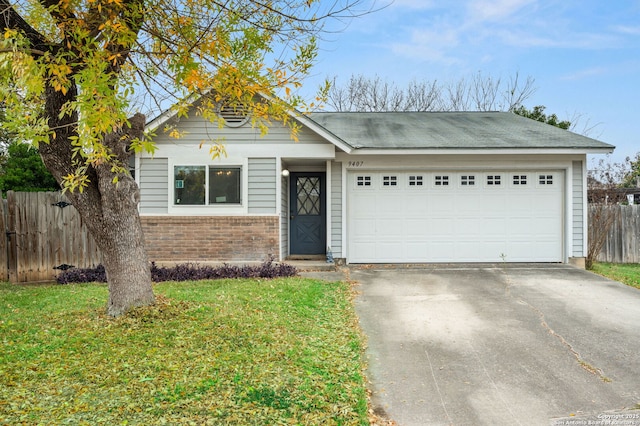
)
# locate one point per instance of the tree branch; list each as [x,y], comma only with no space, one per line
[9,18]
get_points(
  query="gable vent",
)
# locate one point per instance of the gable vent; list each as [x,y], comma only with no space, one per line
[234,116]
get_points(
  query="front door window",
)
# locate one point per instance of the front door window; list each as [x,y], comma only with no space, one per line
[308,195]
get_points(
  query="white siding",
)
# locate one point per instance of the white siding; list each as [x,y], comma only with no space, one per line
[284,218]
[262,185]
[154,185]
[577,198]
[336,209]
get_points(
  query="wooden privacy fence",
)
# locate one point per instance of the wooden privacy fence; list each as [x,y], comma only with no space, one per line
[622,245]
[44,234]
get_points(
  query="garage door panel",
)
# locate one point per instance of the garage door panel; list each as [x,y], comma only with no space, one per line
[467,250]
[416,251]
[494,228]
[472,227]
[520,204]
[366,203]
[366,251]
[389,205]
[442,227]
[415,228]
[494,205]
[416,205]
[389,228]
[517,227]
[457,222]
[439,201]
[363,228]
[546,225]
[442,251]
[389,250]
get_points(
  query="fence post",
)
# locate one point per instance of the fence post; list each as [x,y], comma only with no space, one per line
[11,234]
[4,254]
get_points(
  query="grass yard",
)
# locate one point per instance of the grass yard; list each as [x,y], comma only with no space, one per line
[628,273]
[263,352]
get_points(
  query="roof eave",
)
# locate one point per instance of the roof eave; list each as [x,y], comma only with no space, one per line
[480,151]
[322,131]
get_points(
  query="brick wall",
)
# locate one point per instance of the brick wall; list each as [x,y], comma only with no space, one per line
[211,238]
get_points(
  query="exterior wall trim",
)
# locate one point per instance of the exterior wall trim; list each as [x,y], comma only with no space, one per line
[328,204]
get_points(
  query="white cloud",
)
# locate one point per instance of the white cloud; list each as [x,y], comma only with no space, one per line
[628,30]
[472,31]
[430,42]
[586,73]
[496,10]
[554,38]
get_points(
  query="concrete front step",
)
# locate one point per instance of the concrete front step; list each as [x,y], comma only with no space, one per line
[311,265]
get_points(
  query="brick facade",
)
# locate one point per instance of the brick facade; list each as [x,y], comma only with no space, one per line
[211,238]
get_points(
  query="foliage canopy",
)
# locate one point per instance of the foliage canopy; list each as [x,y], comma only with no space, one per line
[106,58]
[537,113]
[21,169]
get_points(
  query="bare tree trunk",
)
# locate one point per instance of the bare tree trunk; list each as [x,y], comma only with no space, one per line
[119,235]
[111,215]
[110,210]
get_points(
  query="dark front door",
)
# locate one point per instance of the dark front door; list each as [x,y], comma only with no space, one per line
[308,213]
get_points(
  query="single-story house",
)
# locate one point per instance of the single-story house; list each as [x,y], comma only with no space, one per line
[396,187]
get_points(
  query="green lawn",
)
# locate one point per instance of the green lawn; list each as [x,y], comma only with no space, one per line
[628,273]
[264,352]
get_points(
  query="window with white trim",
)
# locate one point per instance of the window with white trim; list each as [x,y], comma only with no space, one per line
[415,180]
[363,180]
[494,180]
[519,179]
[467,180]
[201,185]
[442,180]
[389,180]
[545,179]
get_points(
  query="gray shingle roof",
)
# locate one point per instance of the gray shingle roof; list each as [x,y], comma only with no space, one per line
[450,130]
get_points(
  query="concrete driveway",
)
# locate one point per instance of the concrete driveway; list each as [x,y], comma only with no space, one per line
[500,345]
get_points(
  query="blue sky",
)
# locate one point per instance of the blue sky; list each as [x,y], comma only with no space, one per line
[583,55]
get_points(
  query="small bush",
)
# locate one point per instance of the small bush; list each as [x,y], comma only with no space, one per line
[83,275]
[187,272]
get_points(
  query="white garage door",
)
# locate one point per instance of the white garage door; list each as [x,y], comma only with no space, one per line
[403,217]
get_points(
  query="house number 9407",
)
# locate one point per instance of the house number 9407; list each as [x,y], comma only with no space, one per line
[356,163]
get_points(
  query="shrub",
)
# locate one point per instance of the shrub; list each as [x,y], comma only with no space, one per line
[187,272]
[83,275]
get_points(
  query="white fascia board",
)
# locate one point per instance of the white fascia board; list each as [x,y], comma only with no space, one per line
[316,128]
[157,122]
[306,151]
[492,151]
[322,132]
